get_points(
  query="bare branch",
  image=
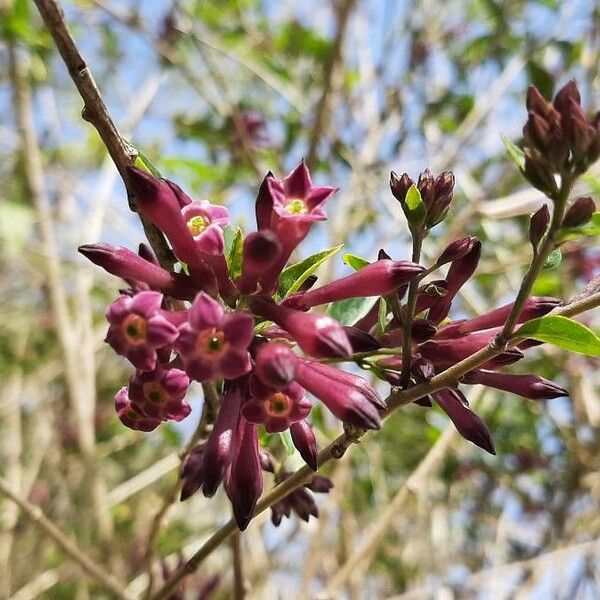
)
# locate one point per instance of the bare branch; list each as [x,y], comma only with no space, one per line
[76,554]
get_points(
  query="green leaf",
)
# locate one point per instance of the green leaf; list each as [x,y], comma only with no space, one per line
[514,152]
[355,261]
[414,208]
[293,277]
[286,439]
[382,315]
[234,256]
[141,161]
[347,312]
[562,332]
[553,261]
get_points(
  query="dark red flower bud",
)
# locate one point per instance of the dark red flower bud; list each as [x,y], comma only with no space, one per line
[264,204]
[565,96]
[534,307]
[219,449]
[319,484]
[539,174]
[467,423]
[538,224]
[304,439]
[422,330]
[379,278]
[244,482]
[316,334]
[275,365]
[361,340]
[426,185]
[528,386]
[400,186]
[126,264]
[422,370]
[192,472]
[580,212]
[456,250]
[349,397]
[535,102]
[459,273]
[260,253]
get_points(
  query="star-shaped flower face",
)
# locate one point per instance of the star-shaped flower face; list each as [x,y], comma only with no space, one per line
[214,344]
[137,328]
[276,409]
[296,199]
[205,221]
[160,393]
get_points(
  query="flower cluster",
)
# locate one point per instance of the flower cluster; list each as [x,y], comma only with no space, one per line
[227,320]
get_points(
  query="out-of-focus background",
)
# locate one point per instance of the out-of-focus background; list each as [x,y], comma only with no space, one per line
[216,93]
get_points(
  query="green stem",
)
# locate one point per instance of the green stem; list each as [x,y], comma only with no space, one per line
[539,259]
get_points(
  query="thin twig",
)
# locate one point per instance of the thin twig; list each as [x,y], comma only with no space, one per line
[96,113]
[76,554]
[239,584]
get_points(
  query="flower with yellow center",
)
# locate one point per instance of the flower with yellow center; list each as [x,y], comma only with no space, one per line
[135,329]
[296,207]
[198,224]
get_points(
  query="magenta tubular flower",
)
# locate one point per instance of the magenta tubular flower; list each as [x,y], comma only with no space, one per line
[214,344]
[467,423]
[459,273]
[296,204]
[446,352]
[275,365]
[127,265]
[160,393]
[260,253]
[244,481]
[220,446]
[137,328]
[535,306]
[380,278]
[276,409]
[317,335]
[527,386]
[130,416]
[158,201]
[349,397]
[509,357]
[305,442]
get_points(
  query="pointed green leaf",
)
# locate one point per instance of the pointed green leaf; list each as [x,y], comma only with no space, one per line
[141,161]
[382,315]
[347,312]
[514,152]
[414,208]
[293,277]
[355,261]
[286,439]
[562,332]
[234,256]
